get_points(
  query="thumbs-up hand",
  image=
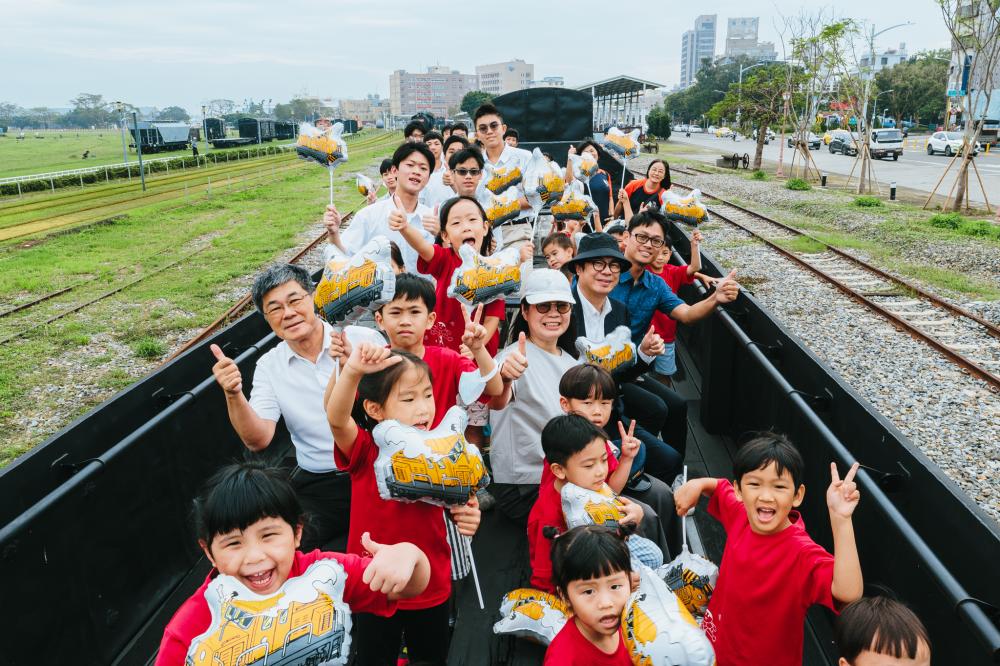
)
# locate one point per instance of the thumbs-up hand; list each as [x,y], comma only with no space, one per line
[431,223]
[226,372]
[727,290]
[332,220]
[391,567]
[474,336]
[516,361]
[397,218]
[652,343]
[446,176]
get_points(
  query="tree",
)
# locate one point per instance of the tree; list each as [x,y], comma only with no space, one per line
[474,99]
[658,121]
[174,113]
[220,107]
[89,110]
[916,87]
[8,112]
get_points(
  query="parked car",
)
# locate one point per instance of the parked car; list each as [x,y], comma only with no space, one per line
[843,142]
[948,143]
[711,129]
[811,139]
[767,137]
[694,129]
[724,132]
[886,142]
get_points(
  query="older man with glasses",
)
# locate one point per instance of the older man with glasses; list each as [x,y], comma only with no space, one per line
[490,130]
[288,383]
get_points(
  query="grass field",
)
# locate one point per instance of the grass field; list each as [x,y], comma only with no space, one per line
[58,371]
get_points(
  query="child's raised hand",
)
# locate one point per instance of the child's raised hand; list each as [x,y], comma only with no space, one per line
[727,290]
[431,223]
[527,252]
[632,511]
[397,218]
[466,516]
[340,346]
[516,360]
[475,333]
[367,359]
[652,343]
[842,496]
[391,567]
[686,497]
[696,237]
[630,443]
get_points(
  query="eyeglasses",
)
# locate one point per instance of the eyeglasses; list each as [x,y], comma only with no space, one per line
[560,306]
[278,309]
[492,127]
[643,239]
[600,264]
[467,172]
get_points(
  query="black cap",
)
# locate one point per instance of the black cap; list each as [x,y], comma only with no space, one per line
[598,245]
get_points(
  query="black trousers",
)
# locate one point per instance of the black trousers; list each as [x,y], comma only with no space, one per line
[326,500]
[658,409]
[377,639]
[515,499]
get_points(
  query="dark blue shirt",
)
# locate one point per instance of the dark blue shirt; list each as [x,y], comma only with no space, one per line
[600,192]
[643,298]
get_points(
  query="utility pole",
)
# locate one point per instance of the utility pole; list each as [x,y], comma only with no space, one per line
[121,122]
[780,173]
[138,148]
[204,127]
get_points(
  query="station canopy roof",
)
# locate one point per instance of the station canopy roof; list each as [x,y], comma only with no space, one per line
[619,85]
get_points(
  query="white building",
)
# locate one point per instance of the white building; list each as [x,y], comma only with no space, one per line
[696,46]
[886,59]
[504,77]
[436,91]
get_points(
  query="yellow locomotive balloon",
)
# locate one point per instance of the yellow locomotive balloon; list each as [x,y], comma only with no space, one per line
[543,180]
[625,146]
[531,614]
[305,621]
[499,179]
[352,285]
[688,209]
[436,466]
[584,166]
[480,279]
[574,204]
[588,507]
[500,207]
[325,147]
[692,578]
[615,352]
[365,185]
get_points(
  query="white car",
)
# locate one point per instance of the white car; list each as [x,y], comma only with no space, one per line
[694,129]
[948,143]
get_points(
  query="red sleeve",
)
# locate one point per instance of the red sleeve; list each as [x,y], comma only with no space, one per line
[173,650]
[816,571]
[634,185]
[190,621]
[495,309]
[364,453]
[357,594]
[724,506]
[612,460]
[676,276]
[547,512]
[438,263]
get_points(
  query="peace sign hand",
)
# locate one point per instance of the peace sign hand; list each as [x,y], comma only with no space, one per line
[842,497]
[630,443]
[367,359]
[474,336]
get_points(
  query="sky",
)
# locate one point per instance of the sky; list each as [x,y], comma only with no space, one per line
[185,53]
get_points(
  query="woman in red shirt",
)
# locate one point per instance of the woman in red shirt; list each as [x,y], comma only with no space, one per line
[646,190]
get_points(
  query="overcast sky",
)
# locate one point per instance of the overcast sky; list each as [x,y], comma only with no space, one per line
[185,53]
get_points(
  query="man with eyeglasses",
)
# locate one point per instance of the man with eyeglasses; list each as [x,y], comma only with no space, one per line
[490,129]
[466,169]
[598,265]
[643,293]
[288,383]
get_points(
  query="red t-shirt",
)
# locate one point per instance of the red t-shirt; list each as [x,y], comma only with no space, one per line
[450,325]
[638,194]
[572,647]
[675,277]
[766,584]
[446,365]
[547,512]
[193,617]
[392,521]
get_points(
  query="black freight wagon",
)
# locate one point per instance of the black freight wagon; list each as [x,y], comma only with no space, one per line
[258,130]
[285,130]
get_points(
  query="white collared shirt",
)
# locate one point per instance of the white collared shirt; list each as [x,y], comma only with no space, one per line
[593,323]
[286,385]
[436,192]
[373,221]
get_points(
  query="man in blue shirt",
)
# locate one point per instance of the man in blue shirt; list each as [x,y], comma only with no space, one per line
[643,293]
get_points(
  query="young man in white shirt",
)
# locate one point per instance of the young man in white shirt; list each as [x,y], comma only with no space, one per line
[438,188]
[288,383]
[490,129]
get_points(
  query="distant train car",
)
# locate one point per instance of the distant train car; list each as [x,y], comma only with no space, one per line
[215,128]
[285,130]
[350,126]
[259,130]
[154,136]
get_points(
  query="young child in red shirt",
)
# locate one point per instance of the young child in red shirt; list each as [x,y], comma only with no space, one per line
[396,385]
[771,570]
[558,248]
[577,452]
[592,572]
[249,524]
[665,364]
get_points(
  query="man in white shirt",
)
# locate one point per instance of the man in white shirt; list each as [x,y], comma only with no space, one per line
[439,188]
[288,383]
[490,130]
[412,163]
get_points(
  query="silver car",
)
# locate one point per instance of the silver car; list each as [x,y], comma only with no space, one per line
[948,143]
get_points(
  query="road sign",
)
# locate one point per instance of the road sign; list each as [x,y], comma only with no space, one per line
[954,93]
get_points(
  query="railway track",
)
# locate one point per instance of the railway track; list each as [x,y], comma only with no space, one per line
[966,339]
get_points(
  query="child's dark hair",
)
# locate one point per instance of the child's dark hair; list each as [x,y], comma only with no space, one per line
[433,134]
[460,127]
[453,140]
[588,142]
[586,552]
[588,382]
[414,126]
[239,495]
[396,254]
[378,385]
[511,132]
[560,239]
[466,154]
[410,287]
[880,625]
[384,167]
[566,435]
[446,211]
[765,449]
[408,148]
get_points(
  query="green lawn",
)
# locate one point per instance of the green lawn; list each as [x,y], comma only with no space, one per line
[58,372]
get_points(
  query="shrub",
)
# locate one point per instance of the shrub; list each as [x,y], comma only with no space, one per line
[798,184]
[759,175]
[981,228]
[867,202]
[946,220]
[148,347]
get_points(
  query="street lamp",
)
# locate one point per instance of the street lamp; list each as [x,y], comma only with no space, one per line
[121,123]
[875,106]
[739,93]
[204,128]
[871,62]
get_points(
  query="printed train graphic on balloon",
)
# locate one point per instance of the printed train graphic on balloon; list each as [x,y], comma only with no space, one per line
[355,288]
[453,478]
[692,589]
[482,279]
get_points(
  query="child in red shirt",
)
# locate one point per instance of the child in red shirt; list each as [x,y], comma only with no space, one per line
[665,364]
[772,571]
[249,524]
[396,385]
[592,572]
[577,452]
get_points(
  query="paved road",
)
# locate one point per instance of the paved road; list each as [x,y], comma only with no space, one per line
[915,169]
